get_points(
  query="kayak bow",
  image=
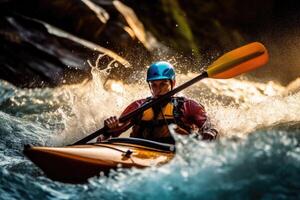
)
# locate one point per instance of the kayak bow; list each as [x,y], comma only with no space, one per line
[77,163]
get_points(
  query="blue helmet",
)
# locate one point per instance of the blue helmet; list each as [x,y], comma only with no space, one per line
[160,70]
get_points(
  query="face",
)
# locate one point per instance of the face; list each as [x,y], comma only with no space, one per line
[161,87]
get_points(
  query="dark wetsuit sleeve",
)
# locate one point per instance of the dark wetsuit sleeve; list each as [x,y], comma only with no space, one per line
[133,106]
[195,113]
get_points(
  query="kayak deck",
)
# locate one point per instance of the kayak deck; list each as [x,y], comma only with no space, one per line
[75,164]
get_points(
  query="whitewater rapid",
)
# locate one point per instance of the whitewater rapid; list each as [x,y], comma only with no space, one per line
[256,157]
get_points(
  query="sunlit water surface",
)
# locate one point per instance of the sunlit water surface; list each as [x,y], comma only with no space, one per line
[256,157]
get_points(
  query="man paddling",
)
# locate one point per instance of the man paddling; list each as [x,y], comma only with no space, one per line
[153,123]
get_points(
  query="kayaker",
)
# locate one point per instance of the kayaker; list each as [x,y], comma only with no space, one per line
[152,124]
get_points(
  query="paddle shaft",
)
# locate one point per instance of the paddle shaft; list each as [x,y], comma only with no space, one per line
[144,107]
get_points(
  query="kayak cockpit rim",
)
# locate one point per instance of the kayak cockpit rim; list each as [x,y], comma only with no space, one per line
[143,142]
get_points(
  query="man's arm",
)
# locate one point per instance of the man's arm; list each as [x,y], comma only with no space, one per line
[115,127]
[196,114]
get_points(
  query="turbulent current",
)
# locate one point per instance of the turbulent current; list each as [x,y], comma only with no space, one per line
[257,155]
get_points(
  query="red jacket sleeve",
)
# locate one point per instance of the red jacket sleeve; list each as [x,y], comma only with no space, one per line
[133,106]
[194,113]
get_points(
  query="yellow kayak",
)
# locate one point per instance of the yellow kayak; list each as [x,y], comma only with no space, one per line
[77,163]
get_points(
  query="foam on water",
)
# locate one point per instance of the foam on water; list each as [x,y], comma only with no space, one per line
[257,155]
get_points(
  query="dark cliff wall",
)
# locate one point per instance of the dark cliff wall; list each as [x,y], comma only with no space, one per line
[136,32]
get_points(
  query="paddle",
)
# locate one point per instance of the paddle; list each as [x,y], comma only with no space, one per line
[231,64]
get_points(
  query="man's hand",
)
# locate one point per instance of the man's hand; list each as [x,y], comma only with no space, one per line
[115,128]
[209,134]
[112,122]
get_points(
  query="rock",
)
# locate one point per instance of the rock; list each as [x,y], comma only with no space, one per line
[110,24]
[54,38]
[193,27]
[189,33]
[35,54]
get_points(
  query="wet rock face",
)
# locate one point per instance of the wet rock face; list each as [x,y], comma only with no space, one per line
[32,57]
[195,27]
[203,30]
[48,43]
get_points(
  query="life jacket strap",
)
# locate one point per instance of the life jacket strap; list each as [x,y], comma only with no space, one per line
[177,115]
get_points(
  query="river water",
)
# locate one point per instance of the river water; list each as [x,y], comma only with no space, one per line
[256,157]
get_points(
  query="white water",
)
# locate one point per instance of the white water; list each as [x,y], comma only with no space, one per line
[236,107]
[263,165]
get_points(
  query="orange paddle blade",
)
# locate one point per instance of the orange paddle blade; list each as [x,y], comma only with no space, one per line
[238,61]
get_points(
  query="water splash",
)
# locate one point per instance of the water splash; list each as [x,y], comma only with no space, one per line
[227,169]
[261,163]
